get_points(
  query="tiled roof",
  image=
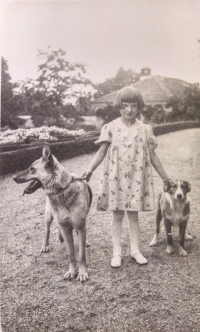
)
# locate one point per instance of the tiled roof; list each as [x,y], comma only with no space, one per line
[155,89]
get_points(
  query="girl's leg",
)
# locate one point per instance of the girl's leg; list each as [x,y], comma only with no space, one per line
[134,237]
[116,237]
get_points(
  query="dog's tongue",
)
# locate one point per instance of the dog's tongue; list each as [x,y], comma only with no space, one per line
[33,186]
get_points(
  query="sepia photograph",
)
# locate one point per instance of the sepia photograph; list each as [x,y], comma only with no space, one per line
[99,165]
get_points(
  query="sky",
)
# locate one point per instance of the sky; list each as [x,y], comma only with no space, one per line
[104,35]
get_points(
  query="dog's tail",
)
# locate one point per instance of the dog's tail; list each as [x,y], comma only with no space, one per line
[60,236]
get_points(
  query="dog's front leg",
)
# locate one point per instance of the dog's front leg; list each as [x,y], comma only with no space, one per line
[82,275]
[48,221]
[182,229]
[158,220]
[168,227]
[67,232]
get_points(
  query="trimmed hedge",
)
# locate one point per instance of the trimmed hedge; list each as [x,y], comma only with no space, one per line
[21,159]
[176,126]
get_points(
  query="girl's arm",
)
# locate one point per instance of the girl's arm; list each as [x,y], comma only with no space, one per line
[157,165]
[97,159]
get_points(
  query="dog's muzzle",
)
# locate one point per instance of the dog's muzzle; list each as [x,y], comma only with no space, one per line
[32,187]
[179,196]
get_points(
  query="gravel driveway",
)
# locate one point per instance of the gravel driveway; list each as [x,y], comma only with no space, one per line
[161,296]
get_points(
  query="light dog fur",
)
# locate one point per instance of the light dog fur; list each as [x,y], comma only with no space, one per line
[67,201]
[174,208]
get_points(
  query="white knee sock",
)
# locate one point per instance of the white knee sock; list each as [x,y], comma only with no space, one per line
[133,231]
[117,231]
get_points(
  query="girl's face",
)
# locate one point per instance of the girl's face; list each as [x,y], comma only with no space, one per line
[129,111]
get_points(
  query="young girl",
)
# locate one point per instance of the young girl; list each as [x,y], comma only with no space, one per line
[127,148]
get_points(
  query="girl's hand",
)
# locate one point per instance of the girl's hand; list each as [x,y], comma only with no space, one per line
[86,175]
[167,180]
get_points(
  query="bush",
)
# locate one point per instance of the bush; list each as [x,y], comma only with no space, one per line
[107,113]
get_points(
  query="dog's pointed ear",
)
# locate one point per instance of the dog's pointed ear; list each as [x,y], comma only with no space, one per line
[46,152]
[47,156]
[188,186]
[166,185]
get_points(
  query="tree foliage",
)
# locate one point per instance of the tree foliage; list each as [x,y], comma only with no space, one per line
[7,103]
[155,114]
[186,108]
[107,113]
[121,79]
[59,80]
[59,84]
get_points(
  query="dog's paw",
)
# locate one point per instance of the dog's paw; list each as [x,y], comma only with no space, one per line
[182,252]
[188,237]
[82,274]
[70,275]
[169,250]
[153,241]
[82,277]
[44,249]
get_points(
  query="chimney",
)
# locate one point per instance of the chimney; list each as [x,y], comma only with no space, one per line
[145,73]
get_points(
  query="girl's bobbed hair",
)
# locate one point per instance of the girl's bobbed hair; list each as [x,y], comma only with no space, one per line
[128,94]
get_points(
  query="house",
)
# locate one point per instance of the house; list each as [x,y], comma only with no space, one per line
[155,90]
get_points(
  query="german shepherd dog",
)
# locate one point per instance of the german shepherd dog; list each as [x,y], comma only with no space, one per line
[68,201]
[174,208]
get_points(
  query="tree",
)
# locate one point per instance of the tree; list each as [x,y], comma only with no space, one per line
[83,106]
[186,108]
[61,81]
[192,103]
[121,79]
[59,84]
[107,113]
[27,91]
[7,102]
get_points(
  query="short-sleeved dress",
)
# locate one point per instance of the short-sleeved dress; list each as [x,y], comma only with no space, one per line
[126,179]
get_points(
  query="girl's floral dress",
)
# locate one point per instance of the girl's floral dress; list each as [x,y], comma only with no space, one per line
[126,179]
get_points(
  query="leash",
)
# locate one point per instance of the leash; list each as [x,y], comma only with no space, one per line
[77,179]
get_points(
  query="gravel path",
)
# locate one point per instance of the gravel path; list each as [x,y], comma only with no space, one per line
[162,296]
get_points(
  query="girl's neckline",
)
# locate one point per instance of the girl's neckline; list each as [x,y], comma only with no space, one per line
[134,123]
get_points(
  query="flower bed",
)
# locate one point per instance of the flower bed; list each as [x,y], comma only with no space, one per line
[42,133]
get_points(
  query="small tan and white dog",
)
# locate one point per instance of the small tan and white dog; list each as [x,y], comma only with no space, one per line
[68,201]
[174,209]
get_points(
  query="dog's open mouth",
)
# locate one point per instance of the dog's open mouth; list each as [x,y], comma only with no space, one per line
[33,186]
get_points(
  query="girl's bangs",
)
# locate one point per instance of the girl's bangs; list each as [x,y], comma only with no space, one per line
[129,95]
[129,99]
